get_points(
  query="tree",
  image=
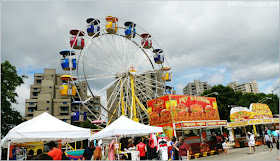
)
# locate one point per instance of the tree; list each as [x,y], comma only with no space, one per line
[227,97]
[9,81]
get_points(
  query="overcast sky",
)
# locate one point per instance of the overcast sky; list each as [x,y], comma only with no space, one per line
[217,42]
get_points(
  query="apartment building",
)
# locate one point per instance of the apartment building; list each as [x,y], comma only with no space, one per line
[196,88]
[248,87]
[45,97]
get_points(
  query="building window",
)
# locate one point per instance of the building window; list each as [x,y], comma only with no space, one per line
[65,103]
[30,115]
[64,108]
[35,88]
[48,101]
[50,87]
[35,93]
[30,110]
[64,120]
[31,103]
[38,81]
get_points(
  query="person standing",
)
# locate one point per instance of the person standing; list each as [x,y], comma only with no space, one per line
[251,141]
[267,140]
[219,143]
[184,149]
[88,152]
[55,153]
[213,140]
[141,147]
[175,148]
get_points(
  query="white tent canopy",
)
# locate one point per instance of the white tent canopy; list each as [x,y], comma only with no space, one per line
[123,127]
[45,127]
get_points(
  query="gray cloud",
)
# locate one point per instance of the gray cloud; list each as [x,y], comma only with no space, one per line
[243,40]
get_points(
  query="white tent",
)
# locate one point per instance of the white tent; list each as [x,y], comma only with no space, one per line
[124,126]
[45,127]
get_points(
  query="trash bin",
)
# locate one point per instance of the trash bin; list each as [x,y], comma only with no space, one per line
[241,144]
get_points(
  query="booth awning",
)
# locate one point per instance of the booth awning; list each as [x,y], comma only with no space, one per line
[45,127]
[252,122]
[124,126]
[200,124]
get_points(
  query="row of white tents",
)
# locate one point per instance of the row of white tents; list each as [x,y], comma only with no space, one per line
[46,127]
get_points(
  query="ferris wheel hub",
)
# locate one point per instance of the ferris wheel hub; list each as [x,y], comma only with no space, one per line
[132,70]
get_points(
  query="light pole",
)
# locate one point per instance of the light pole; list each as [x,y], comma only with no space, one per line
[216,93]
[273,97]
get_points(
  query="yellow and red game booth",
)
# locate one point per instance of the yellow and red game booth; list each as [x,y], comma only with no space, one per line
[194,117]
[253,119]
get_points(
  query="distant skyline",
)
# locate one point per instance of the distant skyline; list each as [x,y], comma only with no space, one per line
[213,41]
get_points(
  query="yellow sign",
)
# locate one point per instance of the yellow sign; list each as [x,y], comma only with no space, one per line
[259,111]
[276,120]
[238,124]
[267,120]
[240,116]
[255,122]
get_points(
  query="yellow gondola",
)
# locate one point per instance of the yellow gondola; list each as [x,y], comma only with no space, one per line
[111,25]
[167,77]
[67,90]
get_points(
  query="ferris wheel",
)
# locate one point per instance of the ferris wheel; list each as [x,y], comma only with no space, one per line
[121,63]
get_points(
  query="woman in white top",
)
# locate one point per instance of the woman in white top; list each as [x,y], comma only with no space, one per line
[251,141]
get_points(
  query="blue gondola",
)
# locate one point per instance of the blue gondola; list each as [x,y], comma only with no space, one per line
[78,117]
[130,29]
[159,57]
[93,27]
[66,65]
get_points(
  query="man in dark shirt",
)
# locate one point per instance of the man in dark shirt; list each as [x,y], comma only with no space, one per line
[88,153]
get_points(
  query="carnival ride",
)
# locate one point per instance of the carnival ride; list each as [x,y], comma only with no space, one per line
[121,64]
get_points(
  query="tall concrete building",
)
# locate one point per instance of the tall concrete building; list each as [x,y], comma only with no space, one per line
[248,87]
[45,97]
[148,86]
[196,88]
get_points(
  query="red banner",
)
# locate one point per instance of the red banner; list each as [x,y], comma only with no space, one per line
[215,123]
[175,108]
[193,124]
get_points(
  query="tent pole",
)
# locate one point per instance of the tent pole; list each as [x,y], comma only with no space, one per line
[8,152]
[0,152]
[118,149]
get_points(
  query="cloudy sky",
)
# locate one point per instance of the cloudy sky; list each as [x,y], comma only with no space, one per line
[218,42]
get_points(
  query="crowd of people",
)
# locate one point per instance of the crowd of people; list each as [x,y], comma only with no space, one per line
[152,147]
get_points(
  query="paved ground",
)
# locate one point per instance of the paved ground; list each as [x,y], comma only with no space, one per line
[261,153]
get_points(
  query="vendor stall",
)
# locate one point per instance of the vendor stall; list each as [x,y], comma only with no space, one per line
[253,120]
[194,117]
[125,127]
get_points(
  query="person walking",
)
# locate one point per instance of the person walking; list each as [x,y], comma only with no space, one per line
[55,153]
[269,133]
[251,142]
[267,140]
[141,147]
[184,149]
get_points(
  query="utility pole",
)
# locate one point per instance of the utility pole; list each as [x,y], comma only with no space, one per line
[273,97]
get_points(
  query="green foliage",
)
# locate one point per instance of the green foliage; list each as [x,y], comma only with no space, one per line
[88,124]
[227,97]
[9,81]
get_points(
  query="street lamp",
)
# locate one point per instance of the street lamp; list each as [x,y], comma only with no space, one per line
[264,99]
[216,93]
[273,98]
